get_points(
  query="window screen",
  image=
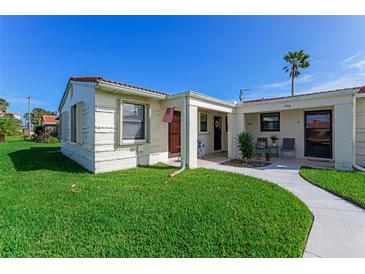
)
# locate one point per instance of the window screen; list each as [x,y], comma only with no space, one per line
[270,121]
[133,121]
[73,124]
[203,122]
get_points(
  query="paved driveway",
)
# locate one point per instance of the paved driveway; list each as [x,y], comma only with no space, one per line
[339,226]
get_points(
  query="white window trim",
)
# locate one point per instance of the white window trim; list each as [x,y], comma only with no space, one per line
[71,121]
[60,126]
[147,117]
[200,131]
[79,109]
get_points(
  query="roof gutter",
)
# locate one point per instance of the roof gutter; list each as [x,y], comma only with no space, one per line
[193,94]
[309,96]
[117,88]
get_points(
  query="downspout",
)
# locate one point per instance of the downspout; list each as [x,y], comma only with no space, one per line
[354,164]
[184,150]
[359,168]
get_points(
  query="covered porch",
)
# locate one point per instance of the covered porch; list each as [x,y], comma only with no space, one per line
[319,127]
[199,128]
[216,158]
[208,160]
[317,130]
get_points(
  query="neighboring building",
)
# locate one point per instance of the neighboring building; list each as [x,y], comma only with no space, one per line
[50,123]
[107,125]
[12,114]
[26,131]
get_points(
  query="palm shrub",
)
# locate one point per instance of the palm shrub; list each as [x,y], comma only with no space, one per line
[245,144]
[9,126]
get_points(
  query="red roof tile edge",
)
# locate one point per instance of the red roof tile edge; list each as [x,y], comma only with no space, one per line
[49,118]
[362,90]
[97,79]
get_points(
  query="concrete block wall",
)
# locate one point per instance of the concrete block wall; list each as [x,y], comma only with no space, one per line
[83,151]
[360,131]
[109,153]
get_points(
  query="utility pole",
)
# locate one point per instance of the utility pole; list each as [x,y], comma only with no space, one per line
[28,114]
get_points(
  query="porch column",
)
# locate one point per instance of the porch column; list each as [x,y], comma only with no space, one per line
[183,130]
[192,136]
[189,134]
[343,136]
[236,124]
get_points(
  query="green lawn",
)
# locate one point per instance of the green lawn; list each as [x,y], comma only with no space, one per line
[140,212]
[349,185]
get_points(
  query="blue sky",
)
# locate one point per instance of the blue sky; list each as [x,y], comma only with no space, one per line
[215,55]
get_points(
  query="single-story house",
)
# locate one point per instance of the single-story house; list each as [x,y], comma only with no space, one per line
[107,125]
[14,115]
[50,123]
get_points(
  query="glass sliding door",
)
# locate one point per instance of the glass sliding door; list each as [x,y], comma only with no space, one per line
[318,134]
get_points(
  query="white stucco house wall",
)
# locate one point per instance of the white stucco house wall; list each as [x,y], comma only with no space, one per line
[107,125]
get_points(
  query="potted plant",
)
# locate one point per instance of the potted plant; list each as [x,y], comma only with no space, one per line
[268,156]
[274,139]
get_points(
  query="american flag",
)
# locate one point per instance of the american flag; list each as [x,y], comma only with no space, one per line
[169,114]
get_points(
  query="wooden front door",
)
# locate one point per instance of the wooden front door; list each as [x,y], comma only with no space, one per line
[217,133]
[174,135]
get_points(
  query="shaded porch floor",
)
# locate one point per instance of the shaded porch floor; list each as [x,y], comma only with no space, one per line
[220,157]
[305,162]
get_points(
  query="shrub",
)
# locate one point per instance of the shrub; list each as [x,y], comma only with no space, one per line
[41,136]
[9,126]
[52,139]
[245,144]
[38,130]
[45,138]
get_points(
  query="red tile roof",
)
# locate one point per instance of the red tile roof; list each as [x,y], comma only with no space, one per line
[97,79]
[49,118]
[362,90]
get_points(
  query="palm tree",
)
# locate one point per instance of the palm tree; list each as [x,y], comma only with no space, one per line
[296,60]
[3,105]
[36,114]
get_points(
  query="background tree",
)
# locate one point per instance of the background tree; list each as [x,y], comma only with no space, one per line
[3,105]
[296,60]
[9,126]
[36,114]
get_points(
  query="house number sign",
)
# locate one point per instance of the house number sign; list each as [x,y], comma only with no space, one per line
[287,106]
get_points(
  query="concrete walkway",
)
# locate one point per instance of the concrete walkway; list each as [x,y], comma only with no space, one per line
[339,226]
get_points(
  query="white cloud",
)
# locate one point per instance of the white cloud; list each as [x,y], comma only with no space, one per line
[302,79]
[275,85]
[349,59]
[358,65]
[347,81]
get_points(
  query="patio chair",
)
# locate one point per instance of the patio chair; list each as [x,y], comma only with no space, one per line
[261,146]
[288,146]
[201,150]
